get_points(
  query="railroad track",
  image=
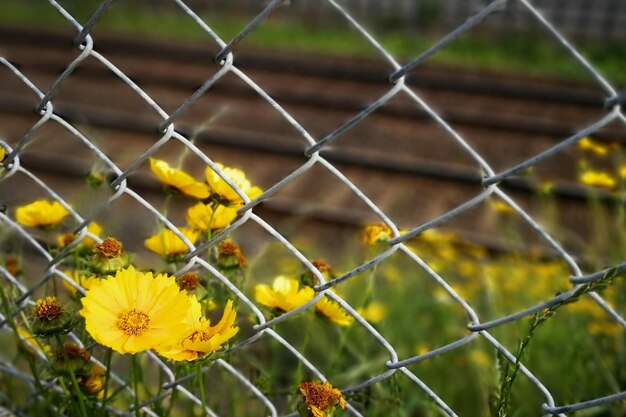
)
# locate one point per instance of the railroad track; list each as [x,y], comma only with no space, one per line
[507,119]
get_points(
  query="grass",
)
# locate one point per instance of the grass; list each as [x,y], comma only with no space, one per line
[537,55]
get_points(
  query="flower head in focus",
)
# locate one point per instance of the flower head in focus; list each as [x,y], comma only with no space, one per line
[135,311]
[178,179]
[41,213]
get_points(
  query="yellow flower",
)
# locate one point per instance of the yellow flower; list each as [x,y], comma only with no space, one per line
[333,311]
[134,311]
[32,344]
[376,233]
[166,243]
[94,382]
[437,236]
[225,191]
[85,281]
[65,239]
[201,215]
[320,400]
[285,294]
[622,171]
[41,213]
[597,179]
[201,338]
[501,207]
[374,312]
[178,179]
[586,144]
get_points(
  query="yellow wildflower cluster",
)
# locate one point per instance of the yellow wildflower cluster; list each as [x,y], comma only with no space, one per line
[286,294]
[605,168]
[216,210]
[589,145]
[135,311]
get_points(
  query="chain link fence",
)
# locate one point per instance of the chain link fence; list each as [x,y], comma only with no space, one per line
[84,44]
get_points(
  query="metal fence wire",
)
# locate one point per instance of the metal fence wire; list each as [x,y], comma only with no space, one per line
[84,44]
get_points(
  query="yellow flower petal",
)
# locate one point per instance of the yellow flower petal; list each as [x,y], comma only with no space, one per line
[85,281]
[167,243]
[202,216]
[200,338]
[225,191]
[41,213]
[333,311]
[284,294]
[178,179]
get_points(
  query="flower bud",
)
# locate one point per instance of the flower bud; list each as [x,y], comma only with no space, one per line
[188,281]
[72,360]
[110,257]
[93,383]
[50,318]
[229,256]
[309,279]
[319,400]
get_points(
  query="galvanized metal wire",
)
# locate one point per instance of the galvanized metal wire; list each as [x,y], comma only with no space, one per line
[84,44]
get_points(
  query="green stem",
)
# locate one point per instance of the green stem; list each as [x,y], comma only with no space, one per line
[76,388]
[135,372]
[174,394]
[201,387]
[107,376]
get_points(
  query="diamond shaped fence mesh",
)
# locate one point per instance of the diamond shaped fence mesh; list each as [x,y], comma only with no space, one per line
[311,149]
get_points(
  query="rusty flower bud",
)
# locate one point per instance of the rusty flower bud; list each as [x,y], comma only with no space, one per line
[50,317]
[229,255]
[110,257]
[309,279]
[73,359]
[188,281]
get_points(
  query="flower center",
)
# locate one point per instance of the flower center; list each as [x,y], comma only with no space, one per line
[133,322]
[200,335]
[47,309]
